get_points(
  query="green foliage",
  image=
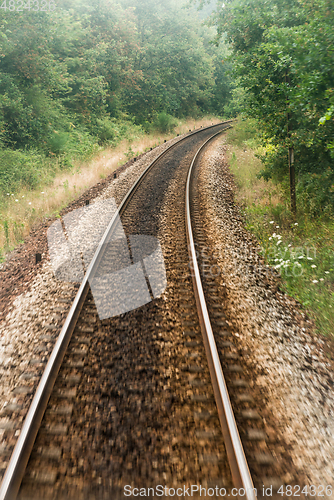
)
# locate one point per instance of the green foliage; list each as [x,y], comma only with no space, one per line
[6,230]
[20,169]
[301,250]
[106,130]
[174,68]
[283,60]
[302,253]
[316,190]
[57,142]
[244,133]
[111,130]
[91,73]
[236,103]
[164,122]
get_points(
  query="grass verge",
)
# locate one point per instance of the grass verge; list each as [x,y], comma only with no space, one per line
[53,185]
[301,248]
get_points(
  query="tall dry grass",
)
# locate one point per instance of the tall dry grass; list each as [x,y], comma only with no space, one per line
[251,190]
[27,208]
[301,248]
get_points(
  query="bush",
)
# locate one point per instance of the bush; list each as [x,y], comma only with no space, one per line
[164,122]
[20,169]
[57,142]
[244,133]
[315,192]
[106,130]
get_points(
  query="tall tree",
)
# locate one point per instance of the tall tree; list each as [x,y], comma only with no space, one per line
[283,57]
[174,68]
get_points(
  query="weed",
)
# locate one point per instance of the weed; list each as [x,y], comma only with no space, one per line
[300,250]
[62,179]
[6,231]
[164,122]
[130,153]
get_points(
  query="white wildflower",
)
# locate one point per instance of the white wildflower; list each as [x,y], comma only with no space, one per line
[313,266]
[315,281]
[271,222]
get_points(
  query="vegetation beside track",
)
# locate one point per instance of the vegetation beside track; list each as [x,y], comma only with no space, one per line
[81,77]
[301,247]
[282,54]
[54,186]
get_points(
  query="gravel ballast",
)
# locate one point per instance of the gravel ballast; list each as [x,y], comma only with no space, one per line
[29,293]
[294,375]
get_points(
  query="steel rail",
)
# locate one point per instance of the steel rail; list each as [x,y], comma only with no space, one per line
[13,476]
[238,464]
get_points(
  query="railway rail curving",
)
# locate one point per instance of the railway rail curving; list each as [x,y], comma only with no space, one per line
[239,467]
[241,477]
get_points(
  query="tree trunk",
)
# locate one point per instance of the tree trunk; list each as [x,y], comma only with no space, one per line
[291,160]
[292,181]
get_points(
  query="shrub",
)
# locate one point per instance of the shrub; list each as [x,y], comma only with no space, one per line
[20,169]
[164,122]
[106,130]
[57,142]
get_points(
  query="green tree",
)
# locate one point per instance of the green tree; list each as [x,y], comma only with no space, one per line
[174,71]
[282,54]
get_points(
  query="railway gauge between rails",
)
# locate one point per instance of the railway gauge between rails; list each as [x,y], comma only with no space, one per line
[240,472]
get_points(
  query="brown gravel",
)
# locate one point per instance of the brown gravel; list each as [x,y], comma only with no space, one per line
[28,295]
[133,420]
[287,359]
[294,377]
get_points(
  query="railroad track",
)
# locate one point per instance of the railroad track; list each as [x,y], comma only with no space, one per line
[118,368]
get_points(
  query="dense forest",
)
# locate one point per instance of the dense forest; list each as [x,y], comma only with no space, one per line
[283,67]
[86,74]
[89,72]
